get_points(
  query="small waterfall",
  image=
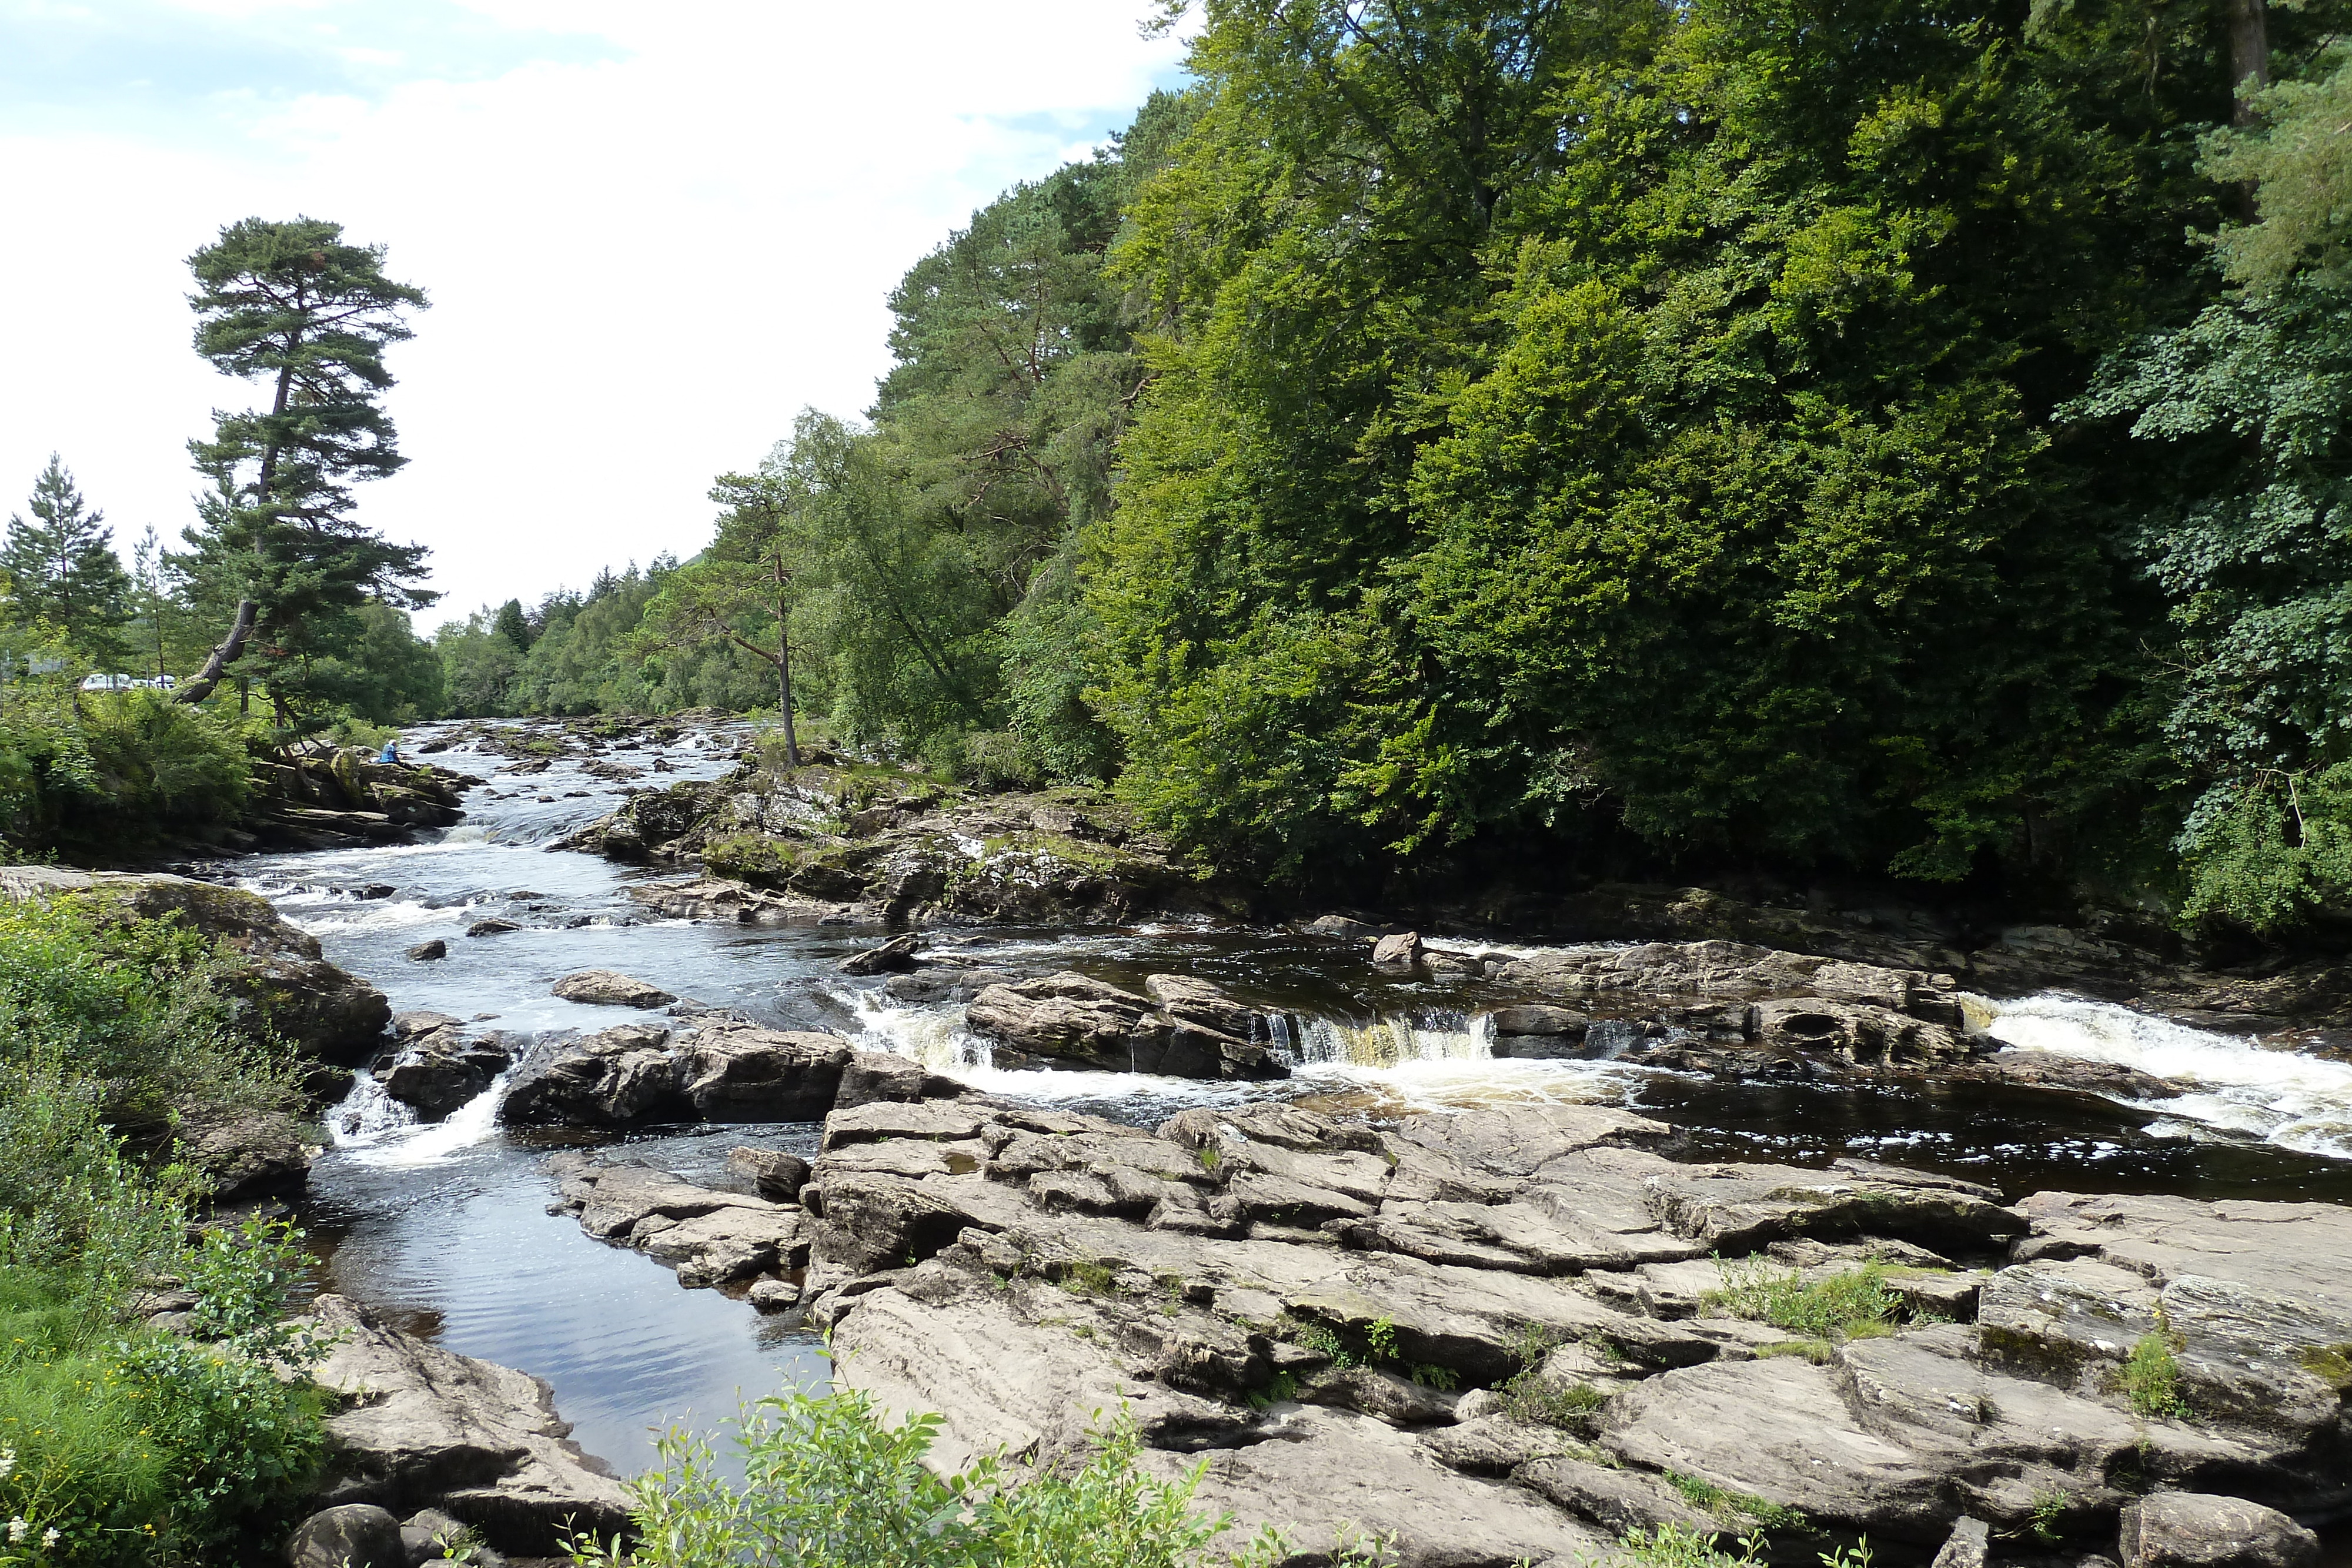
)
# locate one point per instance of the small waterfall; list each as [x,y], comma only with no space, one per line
[1385,1042]
[366,1114]
[936,1038]
[377,1130]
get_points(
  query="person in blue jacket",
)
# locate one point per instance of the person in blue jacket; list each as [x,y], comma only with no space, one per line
[391,752]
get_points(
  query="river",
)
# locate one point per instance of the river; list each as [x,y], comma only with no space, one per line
[445,1228]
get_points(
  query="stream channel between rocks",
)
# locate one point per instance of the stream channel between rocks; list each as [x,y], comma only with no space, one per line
[443,1229]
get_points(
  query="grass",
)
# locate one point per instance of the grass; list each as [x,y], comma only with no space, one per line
[1856,1304]
[1728,1504]
[1528,1395]
[1673,1546]
[1087,1277]
[2151,1379]
[1573,1408]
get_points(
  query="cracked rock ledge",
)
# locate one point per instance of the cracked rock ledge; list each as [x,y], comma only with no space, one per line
[1518,1333]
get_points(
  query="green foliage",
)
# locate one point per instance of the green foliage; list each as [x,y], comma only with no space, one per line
[132,1445]
[2240,417]
[1531,1397]
[1673,1546]
[830,1481]
[103,774]
[60,567]
[133,1009]
[1758,1512]
[2151,1378]
[1856,1304]
[294,308]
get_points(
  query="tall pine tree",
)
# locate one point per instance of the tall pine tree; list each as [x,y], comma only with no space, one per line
[276,550]
[61,566]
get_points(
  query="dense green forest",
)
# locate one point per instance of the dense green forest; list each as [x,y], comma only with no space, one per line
[1868,437]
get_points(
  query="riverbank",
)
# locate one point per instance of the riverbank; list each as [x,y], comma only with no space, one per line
[439,1226]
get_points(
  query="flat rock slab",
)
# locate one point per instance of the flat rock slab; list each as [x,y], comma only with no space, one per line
[1328,1309]
[606,988]
[423,1426]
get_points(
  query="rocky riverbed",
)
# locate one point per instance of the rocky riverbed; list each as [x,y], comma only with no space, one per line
[1496,1250]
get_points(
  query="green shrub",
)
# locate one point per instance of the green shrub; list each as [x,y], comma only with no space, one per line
[135,1006]
[2151,1378]
[1856,1304]
[829,1483]
[133,1446]
[111,773]
[72,1209]
[138,1445]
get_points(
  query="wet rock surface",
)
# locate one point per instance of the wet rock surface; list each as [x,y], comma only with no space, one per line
[1516,1333]
[435,1066]
[416,1426]
[1069,1019]
[604,987]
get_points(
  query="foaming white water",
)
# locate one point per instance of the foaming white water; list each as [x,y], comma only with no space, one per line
[1385,1043]
[2284,1097]
[1439,1064]
[374,1129]
[322,918]
[933,1036]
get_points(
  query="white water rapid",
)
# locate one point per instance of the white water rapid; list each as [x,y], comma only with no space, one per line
[2237,1088]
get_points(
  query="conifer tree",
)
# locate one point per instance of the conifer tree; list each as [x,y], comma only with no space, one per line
[61,566]
[276,550]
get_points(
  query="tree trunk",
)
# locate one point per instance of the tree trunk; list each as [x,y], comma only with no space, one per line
[2250,54]
[784,687]
[206,679]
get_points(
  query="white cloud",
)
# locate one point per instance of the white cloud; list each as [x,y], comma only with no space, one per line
[641,266]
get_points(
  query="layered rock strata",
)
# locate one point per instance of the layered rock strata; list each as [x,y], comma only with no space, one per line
[1517,1333]
[414,1426]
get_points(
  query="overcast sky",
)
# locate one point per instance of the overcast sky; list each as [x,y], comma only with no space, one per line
[651,232]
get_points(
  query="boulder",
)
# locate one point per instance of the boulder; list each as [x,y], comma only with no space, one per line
[616,1077]
[323,1012]
[1734,970]
[1189,1001]
[416,1426]
[1071,1018]
[741,1072]
[426,952]
[873,1075]
[1344,927]
[2193,1529]
[775,1175]
[1074,1021]
[491,927]
[430,1535]
[1966,1547]
[604,987]
[1538,1019]
[350,1535]
[889,959]
[1863,1034]
[440,1070]
[247,1154]
[1398,951]
[709,1237]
